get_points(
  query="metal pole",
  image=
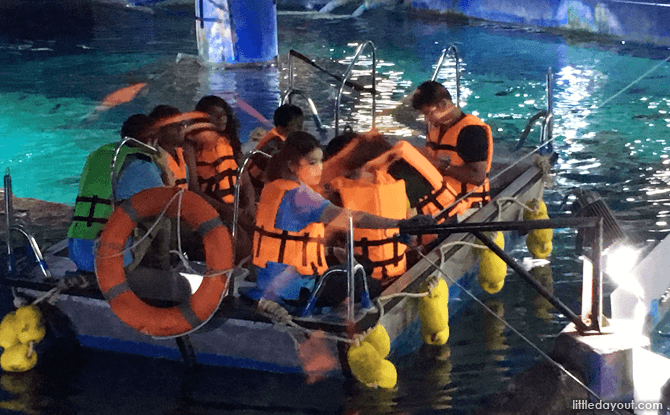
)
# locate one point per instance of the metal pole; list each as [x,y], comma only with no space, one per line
[597,280]
[579,324]
[9,215]
[524,226]
[350,271]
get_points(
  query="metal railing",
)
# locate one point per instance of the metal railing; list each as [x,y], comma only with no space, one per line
[312,108]
[547,119]
[451,48]
[347,75]
[591,318]
[12,226]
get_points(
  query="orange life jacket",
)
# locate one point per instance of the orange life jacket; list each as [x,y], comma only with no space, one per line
[259,163]
[178,168]
[382,196]
[215,164]
[440,194]
[303,250]
[446,144]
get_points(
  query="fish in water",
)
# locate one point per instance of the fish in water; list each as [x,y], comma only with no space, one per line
[650,116]
[54,109]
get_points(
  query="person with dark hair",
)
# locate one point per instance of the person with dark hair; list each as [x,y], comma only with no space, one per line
[288,244]
[213,165]
[223,117]
[168,128]
[134,170]
[287,119]
[459,144]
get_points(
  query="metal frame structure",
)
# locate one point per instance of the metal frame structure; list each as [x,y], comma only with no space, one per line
[450,48]
[346,76]
[591,318]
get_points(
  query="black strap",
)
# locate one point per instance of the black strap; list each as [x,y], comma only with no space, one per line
[284,236]
[180,181]
[94,201]
[432,198]
[215,162]
[437,146]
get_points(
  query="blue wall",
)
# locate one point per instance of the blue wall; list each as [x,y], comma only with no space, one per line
[642,21]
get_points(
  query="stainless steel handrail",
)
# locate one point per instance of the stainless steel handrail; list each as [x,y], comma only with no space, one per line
[346,76]
[440,62]
[312,108]
[117,150]
[236,202]
[546,127]
[9,214]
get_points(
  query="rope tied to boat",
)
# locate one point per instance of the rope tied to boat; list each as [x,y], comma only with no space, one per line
[51,296]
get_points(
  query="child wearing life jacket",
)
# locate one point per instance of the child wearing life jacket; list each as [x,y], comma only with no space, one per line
[135,170]
[345,184]
[287,119]
[288,243]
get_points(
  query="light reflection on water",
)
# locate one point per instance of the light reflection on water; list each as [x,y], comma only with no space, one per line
[619,149]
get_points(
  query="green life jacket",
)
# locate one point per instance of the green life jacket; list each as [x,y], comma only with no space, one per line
[93,205]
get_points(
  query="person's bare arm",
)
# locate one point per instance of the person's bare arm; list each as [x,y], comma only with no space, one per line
[473,173]
[337,217]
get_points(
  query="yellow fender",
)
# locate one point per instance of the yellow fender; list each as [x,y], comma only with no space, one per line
[434,315]
[380,340]
[19,332]
[492,268]
[369,368]
[538,241]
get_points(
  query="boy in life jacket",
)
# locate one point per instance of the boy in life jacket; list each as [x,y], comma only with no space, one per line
[134,170]
[287,119]
[291,219]
[168,127]
[459,144]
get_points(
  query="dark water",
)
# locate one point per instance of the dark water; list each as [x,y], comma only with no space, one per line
[56,66]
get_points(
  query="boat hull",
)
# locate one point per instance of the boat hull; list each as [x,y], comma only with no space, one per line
[238,337]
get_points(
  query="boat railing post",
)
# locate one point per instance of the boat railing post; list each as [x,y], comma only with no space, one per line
[451,48]
[11,226]
[236,201]
[594,320]
[9,216]
[112,171]
[547,124]
[346,76]
[312,108]
[350,270]
[35,247]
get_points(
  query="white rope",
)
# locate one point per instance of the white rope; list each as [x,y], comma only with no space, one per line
[509,326]
[281,317]
[153,226]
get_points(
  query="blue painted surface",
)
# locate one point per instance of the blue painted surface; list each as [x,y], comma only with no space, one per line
[642,21]
[237,31]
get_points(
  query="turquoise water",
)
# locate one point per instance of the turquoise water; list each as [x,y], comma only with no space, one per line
[53,76]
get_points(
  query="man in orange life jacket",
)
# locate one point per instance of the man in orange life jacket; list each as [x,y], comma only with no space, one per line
[459,144]
[287,119]
[169,131]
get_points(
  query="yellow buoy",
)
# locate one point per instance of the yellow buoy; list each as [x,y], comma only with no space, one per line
[364,362]
[380,340]
[492,268]
[434,315]
[538,248]
[388,375]
[538,241]
[29,324]
[18,358]
[8,331]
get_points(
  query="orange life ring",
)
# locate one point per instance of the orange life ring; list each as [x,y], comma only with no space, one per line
[185,317]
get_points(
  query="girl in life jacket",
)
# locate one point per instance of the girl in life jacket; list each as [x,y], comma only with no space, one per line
[288,243]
